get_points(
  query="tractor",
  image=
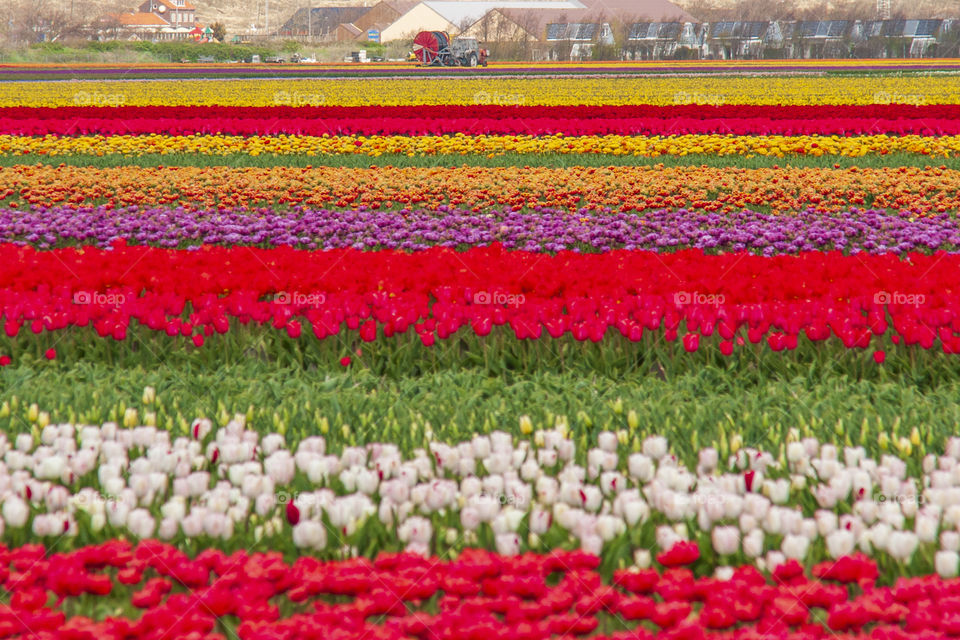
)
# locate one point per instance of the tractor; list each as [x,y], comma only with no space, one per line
[437,49]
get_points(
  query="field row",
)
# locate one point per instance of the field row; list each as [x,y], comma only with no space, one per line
[194,296]
[476,595]
[517,90]
[776,146]
[614,494]
[540,229]
[485,119]
[917,190]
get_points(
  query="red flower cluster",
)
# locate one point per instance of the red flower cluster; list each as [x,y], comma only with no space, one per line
[438,292]
[486,119]
[478,596]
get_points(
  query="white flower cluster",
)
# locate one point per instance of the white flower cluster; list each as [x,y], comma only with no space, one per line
[206,485]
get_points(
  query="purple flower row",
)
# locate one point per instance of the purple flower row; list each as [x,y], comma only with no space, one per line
[541,229]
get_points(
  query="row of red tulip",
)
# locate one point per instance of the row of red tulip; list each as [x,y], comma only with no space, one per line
[495,112]
[437,292]
[466,125]
[477,595]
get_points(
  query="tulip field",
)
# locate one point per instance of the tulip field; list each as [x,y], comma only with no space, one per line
[611,350]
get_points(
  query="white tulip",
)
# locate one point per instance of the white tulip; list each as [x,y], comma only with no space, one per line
[726,540]
[795,452]
[950,541]
[540,520]
[946,563]
[24,442]
[280,467]
[141,524]
[607,441]
[592,544]
[795,547]
[174,509]
[192,525]
[308,534]
[753,544]
[15,511]
[840,543]
[415,529]
[117,513]
[902,544]
[609,527]
[774,559]
[635,512]
[51,468]
[827,522]
[708,459]
[826,496]
[926,528]
[655,447]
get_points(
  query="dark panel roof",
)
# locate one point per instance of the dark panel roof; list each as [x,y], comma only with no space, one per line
[323,19]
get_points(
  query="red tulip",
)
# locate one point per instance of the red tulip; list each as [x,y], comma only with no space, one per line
[680,553]
[293,513]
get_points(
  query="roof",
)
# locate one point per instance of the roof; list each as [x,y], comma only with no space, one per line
[172,5]
[921,28]
[584,32]
[535,22]
[322,19]
[654,31]
[141,20]
[350,28]
[400,6]
[751,30]
[637,10]
[535,17]
[467,13]
[822,28]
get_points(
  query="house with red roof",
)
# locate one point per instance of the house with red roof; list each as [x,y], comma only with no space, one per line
[155,20]
[176,13]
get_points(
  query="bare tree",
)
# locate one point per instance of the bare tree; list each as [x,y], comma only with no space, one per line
[49,20]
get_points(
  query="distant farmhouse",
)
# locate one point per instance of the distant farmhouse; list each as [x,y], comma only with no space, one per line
[157,20]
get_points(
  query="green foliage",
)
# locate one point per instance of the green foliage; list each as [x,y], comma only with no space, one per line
[48,47]
[693,409]
[101,46]
[219,31]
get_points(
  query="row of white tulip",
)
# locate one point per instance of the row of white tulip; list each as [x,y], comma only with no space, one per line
[220,483]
